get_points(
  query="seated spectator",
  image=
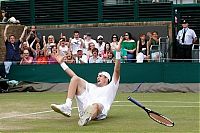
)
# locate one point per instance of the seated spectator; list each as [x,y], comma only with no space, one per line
[25,46]
[26,59]
[100,44]
[153,42]
[114,41]
[95,58]
[42,57]
[81,58]
[109,58]
[12,48]
[141,51]
[130,46]
[76,42]
[90,48]
[51,56]
[69,59]
[107,48]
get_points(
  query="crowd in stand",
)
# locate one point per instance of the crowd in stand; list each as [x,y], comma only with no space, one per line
[38,49]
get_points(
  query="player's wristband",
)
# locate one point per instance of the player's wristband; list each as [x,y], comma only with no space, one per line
[64,66]
[118,55]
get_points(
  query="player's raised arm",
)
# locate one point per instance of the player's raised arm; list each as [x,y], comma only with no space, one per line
[64,66]
[116,72]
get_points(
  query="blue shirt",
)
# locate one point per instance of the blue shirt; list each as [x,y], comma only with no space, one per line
[12,51]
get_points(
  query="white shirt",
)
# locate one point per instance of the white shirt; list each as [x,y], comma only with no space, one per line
[189,36]
[83,59]
[100,47]
[63,50]
[104,95]
[76,44]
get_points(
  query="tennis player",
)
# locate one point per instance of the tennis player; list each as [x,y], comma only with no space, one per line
[93,100]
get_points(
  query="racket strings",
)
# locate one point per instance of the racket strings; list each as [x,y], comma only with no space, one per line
[161,119]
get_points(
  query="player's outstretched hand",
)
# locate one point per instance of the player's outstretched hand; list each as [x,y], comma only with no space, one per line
[59,58]
[118,48]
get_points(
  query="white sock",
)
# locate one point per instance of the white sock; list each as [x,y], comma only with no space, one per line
[68,102]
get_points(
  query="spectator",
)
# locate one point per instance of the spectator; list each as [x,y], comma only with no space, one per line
[88,39]
[81,58]
[37,49]
[32,35]
[50,43]
[114,41]
[100,45]
[4,16]
[26,59]
[90,48]
[154,53]
[25,46]
[141,48]
[42,57]
[107,48]
[130,46]
[110,57]
[12,48]
[95,58]
[76,42]
[63,49]
[186,37]
[51,56]
[69,59]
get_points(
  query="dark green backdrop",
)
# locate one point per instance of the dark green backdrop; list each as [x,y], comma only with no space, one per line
[130,73]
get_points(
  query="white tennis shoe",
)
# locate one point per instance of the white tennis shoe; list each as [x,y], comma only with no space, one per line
[63,109]
[87,116]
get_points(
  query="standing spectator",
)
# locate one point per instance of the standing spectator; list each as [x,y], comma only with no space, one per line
[26,59]
[12,48]
[4,16]
[63,49]
[141,48]
[100,45]
[81,58]
[130,46]
[95,58]
[186,37]
[88,39]
[33,34]
[114,41]
[76,42]
[50,43]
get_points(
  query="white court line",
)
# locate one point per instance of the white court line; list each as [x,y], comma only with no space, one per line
[158,102]
[43,112]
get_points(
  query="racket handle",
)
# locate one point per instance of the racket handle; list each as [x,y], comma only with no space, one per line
[135,102]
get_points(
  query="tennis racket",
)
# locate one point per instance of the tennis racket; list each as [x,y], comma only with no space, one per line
[157,117]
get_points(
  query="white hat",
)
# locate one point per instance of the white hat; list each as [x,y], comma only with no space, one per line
[79,49]
[100,36]
[106,74]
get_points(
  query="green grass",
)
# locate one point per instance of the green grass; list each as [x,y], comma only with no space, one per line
[182,108]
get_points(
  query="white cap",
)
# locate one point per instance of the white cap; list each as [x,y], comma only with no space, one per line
[100,36]
[106,74]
